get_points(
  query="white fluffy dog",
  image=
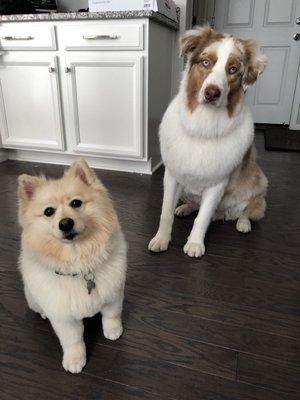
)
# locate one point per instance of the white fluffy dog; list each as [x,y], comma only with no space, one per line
[73,257]
[206,138]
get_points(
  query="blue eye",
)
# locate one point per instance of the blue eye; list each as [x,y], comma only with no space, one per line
[205,63]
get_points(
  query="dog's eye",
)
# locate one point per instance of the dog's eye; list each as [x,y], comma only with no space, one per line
[205,63]
[49,211]
[232,70]
[76,203]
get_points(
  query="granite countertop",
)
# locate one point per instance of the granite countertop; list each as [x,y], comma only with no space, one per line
[93,16]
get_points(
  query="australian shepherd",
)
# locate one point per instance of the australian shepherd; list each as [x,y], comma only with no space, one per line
[206,139]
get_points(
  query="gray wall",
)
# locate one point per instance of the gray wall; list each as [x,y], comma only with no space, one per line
[71,5]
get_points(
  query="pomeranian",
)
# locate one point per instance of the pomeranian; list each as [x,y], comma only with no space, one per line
[73,256]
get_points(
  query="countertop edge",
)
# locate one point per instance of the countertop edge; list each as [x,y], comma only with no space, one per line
[92,16]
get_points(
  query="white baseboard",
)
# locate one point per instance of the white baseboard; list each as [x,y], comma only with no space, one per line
[141,167]
[157,166]
[3,155]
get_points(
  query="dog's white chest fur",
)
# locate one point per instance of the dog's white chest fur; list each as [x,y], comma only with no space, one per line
[203,148]
[62,297]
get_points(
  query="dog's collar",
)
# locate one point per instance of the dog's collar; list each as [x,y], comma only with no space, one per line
[62,274]
[88,277]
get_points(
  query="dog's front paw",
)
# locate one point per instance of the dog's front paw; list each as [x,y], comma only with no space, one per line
[74,358]
[243,225]
[159,243]
[112,328]
[193,249]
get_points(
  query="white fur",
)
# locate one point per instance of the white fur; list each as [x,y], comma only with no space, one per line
[200,150]
[65,301]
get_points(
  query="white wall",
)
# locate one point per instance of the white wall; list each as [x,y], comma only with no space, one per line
[71,5]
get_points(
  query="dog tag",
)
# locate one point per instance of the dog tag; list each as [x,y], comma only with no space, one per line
[90,286]
[90,282]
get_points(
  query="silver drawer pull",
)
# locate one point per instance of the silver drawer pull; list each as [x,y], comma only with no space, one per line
[17,38]
[95,37]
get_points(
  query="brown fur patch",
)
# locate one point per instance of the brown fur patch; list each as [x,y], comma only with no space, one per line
[234,97]
[247,183]
[235,82]
[195,40]
[255,62]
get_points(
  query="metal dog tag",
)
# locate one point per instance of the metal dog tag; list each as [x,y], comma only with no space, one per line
[90,282]
[90,286]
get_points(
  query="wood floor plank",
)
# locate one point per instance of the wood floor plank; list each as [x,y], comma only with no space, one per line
[174,381]
[236,316]
[220,334]
[268,374]
[174,278]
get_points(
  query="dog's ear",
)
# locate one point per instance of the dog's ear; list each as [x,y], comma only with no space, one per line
[80,169]
[197,38]
[28,185]
[255,63]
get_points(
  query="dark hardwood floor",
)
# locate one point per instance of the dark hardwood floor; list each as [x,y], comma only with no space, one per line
[225,326]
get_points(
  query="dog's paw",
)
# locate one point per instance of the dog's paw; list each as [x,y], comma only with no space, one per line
[74,358]
[193,249]
[243,225]
[184,210]
[159,243]
[112,328]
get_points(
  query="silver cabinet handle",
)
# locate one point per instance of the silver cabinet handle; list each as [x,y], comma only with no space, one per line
[296,36]
[95,37]
[67,70]
[51,70]
[17,38]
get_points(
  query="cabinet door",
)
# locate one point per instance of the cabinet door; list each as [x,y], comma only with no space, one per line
[30,108]
[106,104]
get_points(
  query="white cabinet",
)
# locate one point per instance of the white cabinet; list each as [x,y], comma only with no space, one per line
[30,103]
[94,89]
[105,95]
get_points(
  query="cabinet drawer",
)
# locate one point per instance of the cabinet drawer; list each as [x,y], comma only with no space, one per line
[102,36]
[27,36]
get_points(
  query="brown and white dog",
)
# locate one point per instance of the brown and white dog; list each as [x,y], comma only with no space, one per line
[206,138]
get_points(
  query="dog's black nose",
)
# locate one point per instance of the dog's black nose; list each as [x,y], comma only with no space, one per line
[212,93]
[66,224]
